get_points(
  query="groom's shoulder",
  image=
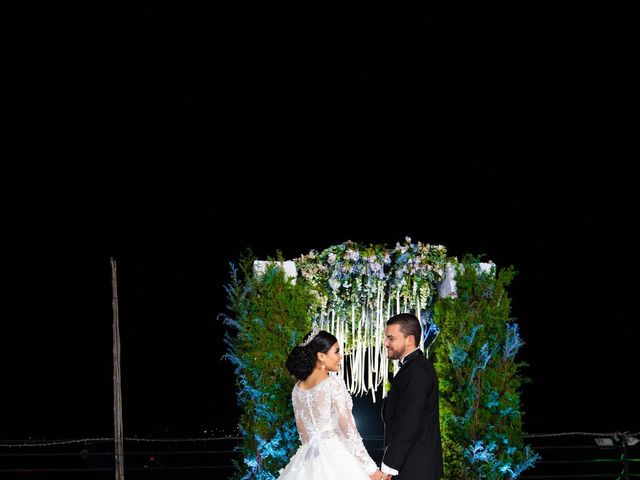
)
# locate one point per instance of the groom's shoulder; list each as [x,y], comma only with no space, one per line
[422,366]
[426,363]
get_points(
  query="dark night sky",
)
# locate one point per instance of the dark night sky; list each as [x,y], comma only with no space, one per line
[197,132]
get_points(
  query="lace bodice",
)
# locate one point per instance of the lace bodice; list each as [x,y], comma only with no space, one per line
[324,411]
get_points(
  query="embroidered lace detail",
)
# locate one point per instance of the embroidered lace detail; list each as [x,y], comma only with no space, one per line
[324,411]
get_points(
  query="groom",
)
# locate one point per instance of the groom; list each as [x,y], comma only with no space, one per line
[412,445]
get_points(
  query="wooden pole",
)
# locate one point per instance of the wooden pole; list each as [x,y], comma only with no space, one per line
[117,392]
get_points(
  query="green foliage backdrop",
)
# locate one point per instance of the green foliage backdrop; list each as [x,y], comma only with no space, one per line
[270,315]
[474,355]
[479,377]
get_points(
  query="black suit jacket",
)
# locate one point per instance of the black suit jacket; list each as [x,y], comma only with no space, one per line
[412,443]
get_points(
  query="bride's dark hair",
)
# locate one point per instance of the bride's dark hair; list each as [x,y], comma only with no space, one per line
[302,360]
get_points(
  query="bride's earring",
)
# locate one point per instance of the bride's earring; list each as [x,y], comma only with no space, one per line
[323,366]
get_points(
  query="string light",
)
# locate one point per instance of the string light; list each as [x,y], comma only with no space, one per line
[229,437]
[110,439]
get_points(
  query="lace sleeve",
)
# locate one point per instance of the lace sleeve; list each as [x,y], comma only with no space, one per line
[343,404]
[302,432]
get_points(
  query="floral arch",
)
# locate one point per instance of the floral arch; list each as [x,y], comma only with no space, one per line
[350,290]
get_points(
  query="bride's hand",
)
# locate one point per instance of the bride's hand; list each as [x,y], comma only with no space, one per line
[377,475]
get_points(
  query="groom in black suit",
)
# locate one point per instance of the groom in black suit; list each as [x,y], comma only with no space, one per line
[412,445]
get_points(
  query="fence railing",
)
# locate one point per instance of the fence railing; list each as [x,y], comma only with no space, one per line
[94,457]
[573,455]
[582,455]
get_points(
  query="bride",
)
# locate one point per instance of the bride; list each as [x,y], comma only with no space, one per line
[332,448]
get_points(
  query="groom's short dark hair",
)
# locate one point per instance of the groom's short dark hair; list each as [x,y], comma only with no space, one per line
[409,325]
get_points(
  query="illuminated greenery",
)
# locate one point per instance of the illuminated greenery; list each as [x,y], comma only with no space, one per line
[474,353]
[479,377]
[270,316]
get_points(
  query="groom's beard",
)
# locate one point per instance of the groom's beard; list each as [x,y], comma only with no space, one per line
[395,355]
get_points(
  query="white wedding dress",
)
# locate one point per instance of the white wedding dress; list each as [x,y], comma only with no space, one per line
[332,448]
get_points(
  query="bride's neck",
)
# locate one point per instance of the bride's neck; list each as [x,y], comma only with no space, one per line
[316,377]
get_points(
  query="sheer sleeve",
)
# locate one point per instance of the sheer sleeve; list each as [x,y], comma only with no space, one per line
[302,432]
[343,404]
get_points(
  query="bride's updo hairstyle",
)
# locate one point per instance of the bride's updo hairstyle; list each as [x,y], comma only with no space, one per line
[302,359]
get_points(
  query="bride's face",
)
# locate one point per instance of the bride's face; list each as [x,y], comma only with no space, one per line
[333,358]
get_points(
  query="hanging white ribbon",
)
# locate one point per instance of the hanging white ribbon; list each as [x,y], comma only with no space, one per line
[357,310]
